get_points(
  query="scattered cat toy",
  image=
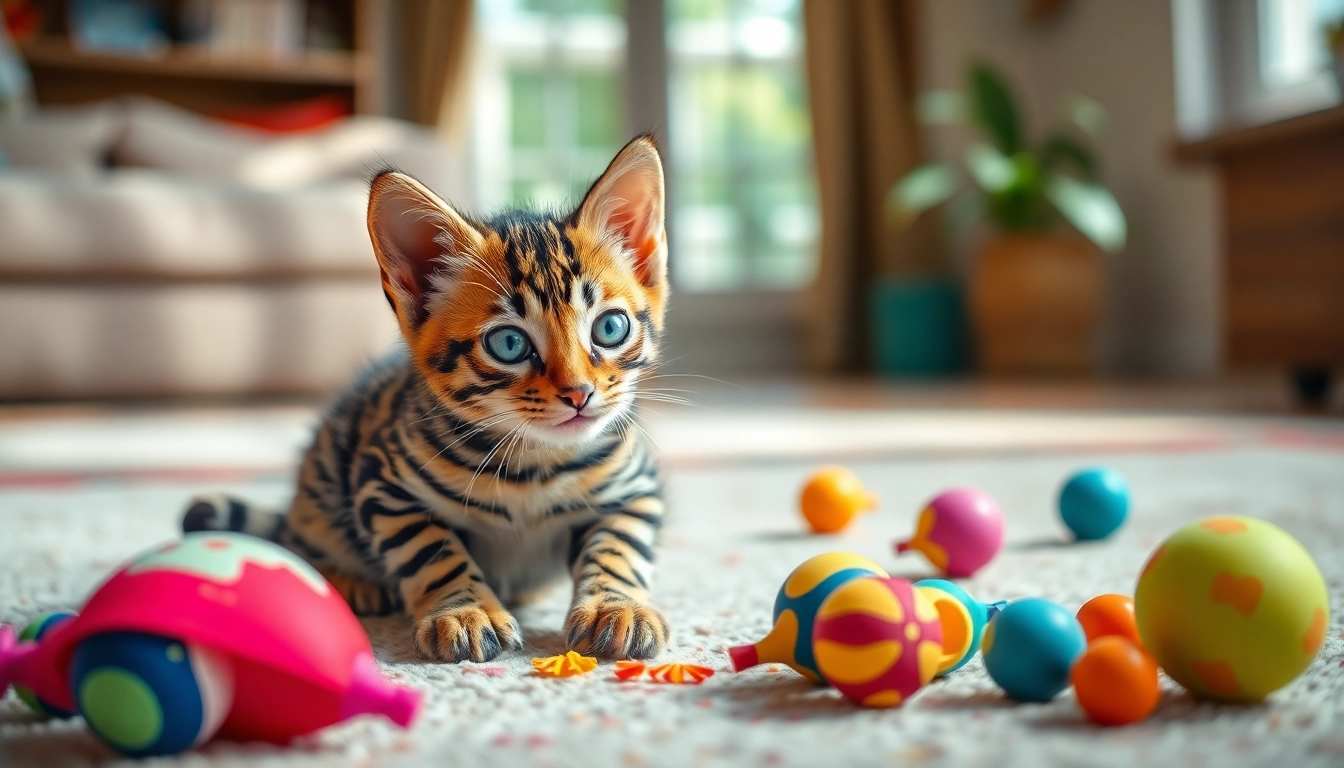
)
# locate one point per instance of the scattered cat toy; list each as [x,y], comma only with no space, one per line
[215,635]
[572,664]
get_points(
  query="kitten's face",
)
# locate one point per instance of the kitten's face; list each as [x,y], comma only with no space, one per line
[531,325]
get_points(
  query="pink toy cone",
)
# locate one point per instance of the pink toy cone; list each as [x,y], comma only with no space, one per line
[959,531]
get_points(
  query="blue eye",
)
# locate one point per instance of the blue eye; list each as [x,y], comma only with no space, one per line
[611,328]
[508,344]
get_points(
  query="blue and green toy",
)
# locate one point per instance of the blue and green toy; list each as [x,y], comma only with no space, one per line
[977,613]
[35,631]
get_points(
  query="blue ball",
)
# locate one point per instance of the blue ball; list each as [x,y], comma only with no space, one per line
[1030,647]
[148,695]
[1094,503]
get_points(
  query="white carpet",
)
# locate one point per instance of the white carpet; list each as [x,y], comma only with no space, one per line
[731,539]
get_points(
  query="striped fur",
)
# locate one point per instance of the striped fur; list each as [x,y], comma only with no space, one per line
[447,482]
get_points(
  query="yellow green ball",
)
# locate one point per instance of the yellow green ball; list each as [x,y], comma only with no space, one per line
[1232,608]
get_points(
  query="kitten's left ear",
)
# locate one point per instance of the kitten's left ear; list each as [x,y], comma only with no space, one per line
[627,200]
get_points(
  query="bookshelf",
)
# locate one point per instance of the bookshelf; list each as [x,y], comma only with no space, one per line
[206,80]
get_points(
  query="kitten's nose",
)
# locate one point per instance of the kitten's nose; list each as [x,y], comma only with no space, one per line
[577,395]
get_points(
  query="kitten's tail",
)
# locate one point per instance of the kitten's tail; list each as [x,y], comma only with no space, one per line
[217,512]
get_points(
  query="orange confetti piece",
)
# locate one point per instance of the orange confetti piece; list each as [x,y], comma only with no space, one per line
[629,670]
[568,665]
[680,674]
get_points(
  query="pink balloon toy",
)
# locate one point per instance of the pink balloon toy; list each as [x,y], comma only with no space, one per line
[216,634]
[959,531]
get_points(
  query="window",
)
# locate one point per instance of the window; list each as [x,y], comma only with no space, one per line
[549,115]
[1245,62]
[1292,44]
[552,111]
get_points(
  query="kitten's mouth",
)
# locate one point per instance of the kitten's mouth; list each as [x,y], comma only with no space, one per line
[577,421]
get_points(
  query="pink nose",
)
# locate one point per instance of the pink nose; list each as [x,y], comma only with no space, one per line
[576,396]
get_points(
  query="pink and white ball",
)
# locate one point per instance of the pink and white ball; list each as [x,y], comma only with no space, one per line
[959,531]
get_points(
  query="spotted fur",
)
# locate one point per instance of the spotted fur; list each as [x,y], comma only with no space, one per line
[447,483]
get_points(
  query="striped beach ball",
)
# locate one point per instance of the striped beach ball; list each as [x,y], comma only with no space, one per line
[878,641]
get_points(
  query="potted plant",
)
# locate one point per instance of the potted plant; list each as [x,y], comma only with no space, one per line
[1035,287]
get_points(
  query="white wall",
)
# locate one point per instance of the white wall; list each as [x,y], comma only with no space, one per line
[1163,313]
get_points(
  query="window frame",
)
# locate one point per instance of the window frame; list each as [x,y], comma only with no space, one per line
[1218,78]
[755,330]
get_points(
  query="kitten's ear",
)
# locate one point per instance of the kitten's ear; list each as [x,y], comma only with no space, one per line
[416,237]
[627,200]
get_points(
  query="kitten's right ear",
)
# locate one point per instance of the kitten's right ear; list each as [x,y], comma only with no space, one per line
[415,236]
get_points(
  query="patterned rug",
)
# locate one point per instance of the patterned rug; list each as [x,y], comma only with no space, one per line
[80,494]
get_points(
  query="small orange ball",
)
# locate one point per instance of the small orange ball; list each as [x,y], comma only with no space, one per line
[832,498]
[1106,615]
[1115,681]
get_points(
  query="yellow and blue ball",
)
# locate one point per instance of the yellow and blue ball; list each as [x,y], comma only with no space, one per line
[878,641]
[1232,608]
[796,605]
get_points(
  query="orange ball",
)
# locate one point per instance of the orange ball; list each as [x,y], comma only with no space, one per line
[832,498]
[1106,615]
[1115,681]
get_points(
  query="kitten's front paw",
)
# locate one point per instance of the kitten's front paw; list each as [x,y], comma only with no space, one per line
[469,633]
[616,628]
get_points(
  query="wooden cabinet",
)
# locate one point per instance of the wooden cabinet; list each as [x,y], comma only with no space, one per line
[1283,244]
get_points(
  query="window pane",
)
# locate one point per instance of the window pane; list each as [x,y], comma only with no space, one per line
[744,196]
[549,114]
[1292,42]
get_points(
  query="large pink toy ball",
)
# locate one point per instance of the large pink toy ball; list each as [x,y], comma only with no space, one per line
[959,531]
[878,641]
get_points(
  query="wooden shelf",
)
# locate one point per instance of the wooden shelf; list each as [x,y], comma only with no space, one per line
[334,68]
[1238,140]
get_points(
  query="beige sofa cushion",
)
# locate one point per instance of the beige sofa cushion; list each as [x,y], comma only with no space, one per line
[145,222]
[159,135]
[68,140]
[217,339]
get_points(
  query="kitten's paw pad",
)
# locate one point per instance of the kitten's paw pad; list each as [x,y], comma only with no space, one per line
[470,633]
[616,628]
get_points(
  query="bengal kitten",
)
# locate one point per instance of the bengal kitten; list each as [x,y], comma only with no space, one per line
[500,449]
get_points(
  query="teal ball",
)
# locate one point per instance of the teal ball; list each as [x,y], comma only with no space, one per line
[1030,647]
[1094,503]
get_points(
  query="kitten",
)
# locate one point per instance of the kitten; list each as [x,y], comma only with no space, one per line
[499,451]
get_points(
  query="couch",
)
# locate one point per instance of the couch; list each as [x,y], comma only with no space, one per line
[146,252]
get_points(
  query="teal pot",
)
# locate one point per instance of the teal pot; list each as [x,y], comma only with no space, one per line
[918,326]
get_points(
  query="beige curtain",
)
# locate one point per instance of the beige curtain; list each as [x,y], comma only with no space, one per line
[862,84]
[437,61]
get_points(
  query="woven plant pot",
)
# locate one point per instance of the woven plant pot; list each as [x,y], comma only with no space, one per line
[1035,303]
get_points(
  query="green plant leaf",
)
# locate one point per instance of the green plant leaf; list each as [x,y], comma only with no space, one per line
[941,108]
[1086,113]
[1065,149]
[1091,210]
[920,190]
[990,168]
[994,109]
[964,209]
